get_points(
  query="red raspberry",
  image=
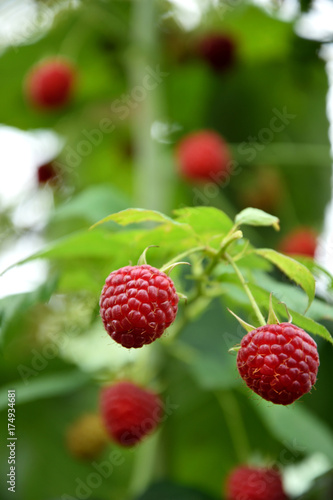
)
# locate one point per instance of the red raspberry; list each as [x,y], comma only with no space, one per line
[137,304]
[129,412]
[218,51]
[254,483]
[46,173]
[203,156]
[278,362]
[50,83]
[302,241]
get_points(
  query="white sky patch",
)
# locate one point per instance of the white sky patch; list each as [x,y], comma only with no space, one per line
[162,131]
[26,277]
[20,155]
[286,10]
[317,24]
[298,478]
[26,21]
[324,254]
[188,13]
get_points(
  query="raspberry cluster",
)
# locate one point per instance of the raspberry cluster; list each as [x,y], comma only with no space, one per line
[278,362]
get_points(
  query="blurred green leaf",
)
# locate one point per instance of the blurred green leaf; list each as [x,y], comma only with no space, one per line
[92,204]
[44,386]
[297,425]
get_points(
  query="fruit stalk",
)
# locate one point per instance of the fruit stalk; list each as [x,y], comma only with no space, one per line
[254,305]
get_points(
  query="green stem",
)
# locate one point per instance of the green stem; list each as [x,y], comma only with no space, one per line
[152,174]
[254,305]
[234,421]
[181,256]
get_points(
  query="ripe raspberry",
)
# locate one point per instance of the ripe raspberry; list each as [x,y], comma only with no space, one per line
[49,84]
[46,173]
[218,51]
[203,156]
[137,304]
[254,483]
[86,437]
[302,241]
[278,362]
[129,412]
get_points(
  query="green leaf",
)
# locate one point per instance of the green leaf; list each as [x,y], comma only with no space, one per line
[297,426]
[293,269]
[206,222]
[43,387]
[256,217]
[135,216]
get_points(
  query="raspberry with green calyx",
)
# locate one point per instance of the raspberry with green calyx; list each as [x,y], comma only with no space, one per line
[137,304]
